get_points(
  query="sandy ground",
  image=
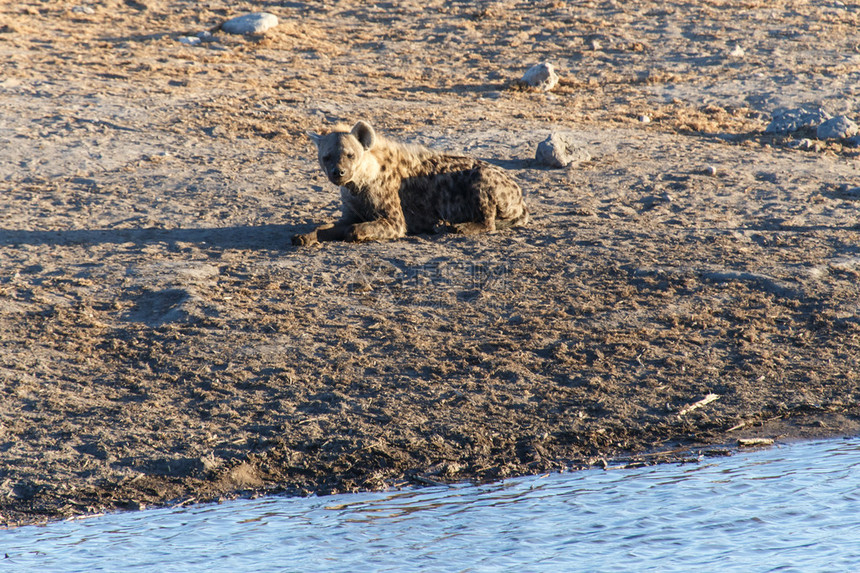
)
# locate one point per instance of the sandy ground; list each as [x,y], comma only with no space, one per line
[162,342]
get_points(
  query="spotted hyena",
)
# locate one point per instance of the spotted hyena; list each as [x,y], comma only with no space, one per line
[390,189]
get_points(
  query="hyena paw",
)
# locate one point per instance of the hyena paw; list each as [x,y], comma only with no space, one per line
[305,240]
[470,228]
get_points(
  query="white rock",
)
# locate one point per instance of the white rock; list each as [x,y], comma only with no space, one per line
[206,36]
[560,150]
[791,120]
[190,40]
[804,143]
[644,119]
[254,23]
[541,76]
[737,52]
[839,127]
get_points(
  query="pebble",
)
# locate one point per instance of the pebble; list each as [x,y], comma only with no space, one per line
[804,143]
[560,150]
[645,119]
[710,170]
[190,40]
[848,191]
[541,76]
[83,10]
[206,36]
[791,120]
[216,131]
[839,127]
[737,52]
[254,23]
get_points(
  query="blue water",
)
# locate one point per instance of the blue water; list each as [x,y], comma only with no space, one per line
[787,508]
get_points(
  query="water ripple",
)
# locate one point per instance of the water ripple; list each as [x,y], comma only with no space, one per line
[790,508]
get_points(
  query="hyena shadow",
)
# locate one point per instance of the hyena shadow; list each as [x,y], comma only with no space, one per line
[241,237]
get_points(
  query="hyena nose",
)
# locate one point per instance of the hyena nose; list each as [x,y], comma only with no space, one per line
[340,172]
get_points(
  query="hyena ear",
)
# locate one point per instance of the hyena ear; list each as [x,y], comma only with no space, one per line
[364,134]
[315,137]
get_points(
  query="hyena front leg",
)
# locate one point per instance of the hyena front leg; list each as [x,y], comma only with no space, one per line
[328,232]
[378,230]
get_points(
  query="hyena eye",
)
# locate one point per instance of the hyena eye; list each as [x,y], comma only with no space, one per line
[350,154]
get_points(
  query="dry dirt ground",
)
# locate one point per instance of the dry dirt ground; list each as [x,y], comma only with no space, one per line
[162,342]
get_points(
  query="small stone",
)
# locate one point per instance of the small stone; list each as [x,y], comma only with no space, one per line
[216,131]
[211,462]
[737,52]
[206,36]
[644,119]
[595,44]
[792,120]
[541,76]
[190,40]
[804,143]
[254,23]
[710,170]
[560,150]
[83,10]
[839,127]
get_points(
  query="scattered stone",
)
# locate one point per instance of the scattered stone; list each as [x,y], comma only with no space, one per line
[804,143]
[254,23]
[595,44]
[190,40]
[644,119]
[737,52]
[710,170]
[83,10]
[541,76]
[848,191]
[211,462]
[839,127]
[206,36]
[216,131]
[792,120]
[560,150]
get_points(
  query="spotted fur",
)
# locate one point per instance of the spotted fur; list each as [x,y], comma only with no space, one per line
[389,189]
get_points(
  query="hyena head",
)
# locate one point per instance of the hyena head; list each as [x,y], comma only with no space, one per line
[341,152]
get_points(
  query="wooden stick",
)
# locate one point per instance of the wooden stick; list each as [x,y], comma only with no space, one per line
[704,401]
